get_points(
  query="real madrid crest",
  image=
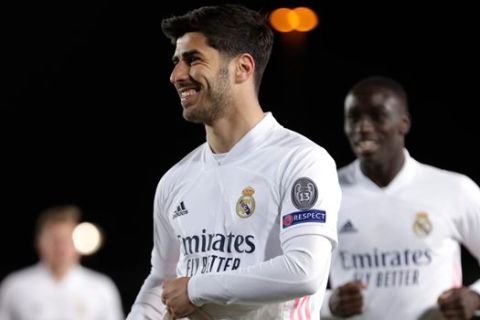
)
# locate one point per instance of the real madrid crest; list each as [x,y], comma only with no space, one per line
[246,203]
[422,226]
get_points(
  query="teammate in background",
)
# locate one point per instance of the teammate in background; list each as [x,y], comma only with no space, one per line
[58,287]
[401,222]
[244,225]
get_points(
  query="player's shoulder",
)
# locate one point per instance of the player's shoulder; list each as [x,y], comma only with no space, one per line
[94,278]
[346,174]
[185,166]
[444,178]
[290,137]
[21,277]
[296,144]
[194,156]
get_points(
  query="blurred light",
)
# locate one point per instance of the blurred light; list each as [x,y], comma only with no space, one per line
[307,19]
[87,238]
[301,19]
[293,19]
[280,21]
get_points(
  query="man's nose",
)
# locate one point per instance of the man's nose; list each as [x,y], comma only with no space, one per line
[364,124]
[179,73]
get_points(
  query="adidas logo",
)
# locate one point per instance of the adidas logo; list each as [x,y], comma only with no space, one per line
[348,227]
[181,211]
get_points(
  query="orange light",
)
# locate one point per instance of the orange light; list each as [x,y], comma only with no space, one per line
[279,20]
[307,19]
[293,19]
[301,19]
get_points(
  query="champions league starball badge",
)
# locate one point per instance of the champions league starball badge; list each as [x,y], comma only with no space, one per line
[246,203]
[304,193]
[422,225]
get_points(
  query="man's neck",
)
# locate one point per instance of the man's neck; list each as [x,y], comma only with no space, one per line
[59,272]
[227,131]
[383,173]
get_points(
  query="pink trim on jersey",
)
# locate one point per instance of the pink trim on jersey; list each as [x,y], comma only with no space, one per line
[457,274]
[295,305]
[300,309]
[307,307]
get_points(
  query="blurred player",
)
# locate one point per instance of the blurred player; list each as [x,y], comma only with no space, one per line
[58,287]
[401,222]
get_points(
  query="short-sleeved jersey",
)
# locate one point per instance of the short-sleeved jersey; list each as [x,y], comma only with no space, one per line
[83,294]
[403,240]
[216,216]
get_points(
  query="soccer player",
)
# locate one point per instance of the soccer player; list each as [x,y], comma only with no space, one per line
[58,287]
[244,225]
[401,222]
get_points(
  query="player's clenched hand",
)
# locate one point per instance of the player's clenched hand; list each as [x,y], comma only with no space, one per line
[347,300]
[459,303]
[175,297]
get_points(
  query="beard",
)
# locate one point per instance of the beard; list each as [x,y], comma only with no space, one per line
[218,101]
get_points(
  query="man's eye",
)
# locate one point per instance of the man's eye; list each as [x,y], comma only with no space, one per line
[191,60]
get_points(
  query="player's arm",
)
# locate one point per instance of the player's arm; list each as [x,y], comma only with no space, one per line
[5,300]
[298,272]
[112,303]
[304,265]
[464,302]
[165,254]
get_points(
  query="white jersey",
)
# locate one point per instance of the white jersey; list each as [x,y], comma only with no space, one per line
[219,221]
[83,294]
[403,240]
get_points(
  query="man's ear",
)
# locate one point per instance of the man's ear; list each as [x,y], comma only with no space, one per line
[244,67]
[406,124]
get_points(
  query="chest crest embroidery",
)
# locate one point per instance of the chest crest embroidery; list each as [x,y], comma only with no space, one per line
[422,226]
[246,203]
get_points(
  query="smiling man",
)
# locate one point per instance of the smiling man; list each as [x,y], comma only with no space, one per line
[401,222]
[245,224]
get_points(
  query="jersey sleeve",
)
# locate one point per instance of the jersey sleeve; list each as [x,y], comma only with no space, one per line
[112,302]
[469,223]
[6,299]
[310,196]
[300,271]
[165,255]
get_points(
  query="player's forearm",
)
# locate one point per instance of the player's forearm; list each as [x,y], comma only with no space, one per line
[298,272]
[148,304]
[144,312]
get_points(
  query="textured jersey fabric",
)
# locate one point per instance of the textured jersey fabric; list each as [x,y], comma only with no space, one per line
[403,240]
[238,225]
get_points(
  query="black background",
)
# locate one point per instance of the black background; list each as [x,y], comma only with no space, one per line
[88,115]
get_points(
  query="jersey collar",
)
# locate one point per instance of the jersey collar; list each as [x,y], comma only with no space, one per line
[404,176]
[249,142]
